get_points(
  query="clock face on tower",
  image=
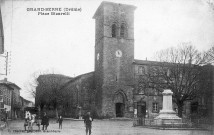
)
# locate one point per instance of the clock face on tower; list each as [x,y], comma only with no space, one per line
[98,56]
[118,53]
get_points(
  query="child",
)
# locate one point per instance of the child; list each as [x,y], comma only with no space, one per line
[60,121]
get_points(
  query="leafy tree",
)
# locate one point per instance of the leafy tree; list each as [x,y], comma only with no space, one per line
[50,92]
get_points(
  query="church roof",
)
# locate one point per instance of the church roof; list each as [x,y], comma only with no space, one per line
[55,75]
[48,78]
[78,77]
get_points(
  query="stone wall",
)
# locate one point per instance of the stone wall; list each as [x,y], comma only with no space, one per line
[81,92]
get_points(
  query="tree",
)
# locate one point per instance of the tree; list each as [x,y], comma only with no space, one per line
[50,91]
[210,55]
[179,69]
[30,86]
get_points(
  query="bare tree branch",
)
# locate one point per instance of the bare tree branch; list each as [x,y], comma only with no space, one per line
[179,70]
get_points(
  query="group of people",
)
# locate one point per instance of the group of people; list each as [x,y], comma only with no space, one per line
[30,119]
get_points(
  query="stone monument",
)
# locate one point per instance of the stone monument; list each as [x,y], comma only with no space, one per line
[167,115]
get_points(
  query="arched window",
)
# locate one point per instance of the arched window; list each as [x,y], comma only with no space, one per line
[122,30]
[113,30]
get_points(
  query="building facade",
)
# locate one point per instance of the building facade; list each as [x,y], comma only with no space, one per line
[24,104]
[11,101]
[16,102]
[5,99]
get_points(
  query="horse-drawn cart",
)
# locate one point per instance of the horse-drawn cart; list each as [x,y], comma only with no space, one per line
[32,119]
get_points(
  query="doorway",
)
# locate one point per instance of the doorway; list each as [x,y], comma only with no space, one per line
[141,110]
[194,107]
[119,109]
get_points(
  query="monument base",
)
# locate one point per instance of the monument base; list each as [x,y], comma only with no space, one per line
[167,117]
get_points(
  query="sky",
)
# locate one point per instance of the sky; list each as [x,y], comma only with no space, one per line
[65,43]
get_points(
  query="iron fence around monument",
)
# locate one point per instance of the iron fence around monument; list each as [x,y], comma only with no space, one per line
[186,123]
[144,122]
[202,123]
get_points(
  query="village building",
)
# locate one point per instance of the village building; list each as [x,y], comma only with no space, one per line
[10,93]
[25,104]
[11,100]
[6,98]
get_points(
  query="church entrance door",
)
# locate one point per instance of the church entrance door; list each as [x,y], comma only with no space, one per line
[119,101]
[119,109]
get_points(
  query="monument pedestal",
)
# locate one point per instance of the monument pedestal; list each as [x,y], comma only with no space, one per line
[167,115]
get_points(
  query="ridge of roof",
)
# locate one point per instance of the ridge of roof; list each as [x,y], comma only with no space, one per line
[57,75]
[76,78]
[25,99]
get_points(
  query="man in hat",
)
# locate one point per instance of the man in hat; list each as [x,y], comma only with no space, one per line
[88,123]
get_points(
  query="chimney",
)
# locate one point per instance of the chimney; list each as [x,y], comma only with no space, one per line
[5,79]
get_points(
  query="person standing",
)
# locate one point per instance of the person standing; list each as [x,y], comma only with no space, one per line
[5,117]
[45,122]
[60,119]
[88,123]
[38,121]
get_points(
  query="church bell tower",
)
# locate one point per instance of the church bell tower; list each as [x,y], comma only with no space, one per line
[114,55]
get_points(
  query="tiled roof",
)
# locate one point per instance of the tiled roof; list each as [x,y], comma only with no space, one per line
[5,82]
[25,99]
[6,85]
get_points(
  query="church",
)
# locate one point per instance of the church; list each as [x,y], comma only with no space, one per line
[115,88]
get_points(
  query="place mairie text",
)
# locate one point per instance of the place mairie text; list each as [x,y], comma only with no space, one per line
[53,11]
